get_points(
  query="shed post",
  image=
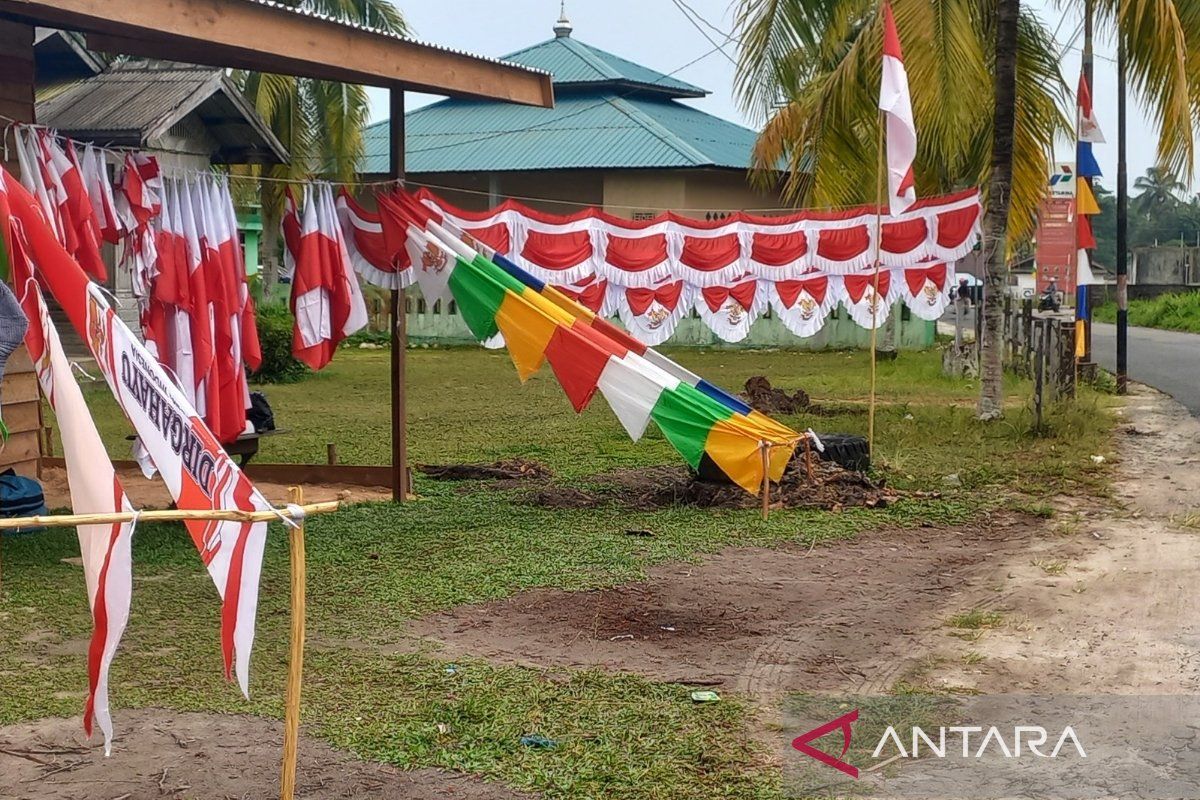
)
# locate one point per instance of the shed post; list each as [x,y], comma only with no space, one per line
[399,321]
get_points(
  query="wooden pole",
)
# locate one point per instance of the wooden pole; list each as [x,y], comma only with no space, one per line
[174,515]
[879,181]
[399,319]
[291,718]
[765,449]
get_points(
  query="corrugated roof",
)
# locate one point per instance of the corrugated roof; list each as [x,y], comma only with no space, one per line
[615,114]
[132,104]
[603,130]
[571,63]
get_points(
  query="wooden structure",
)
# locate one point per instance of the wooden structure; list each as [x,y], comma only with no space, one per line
[248,34]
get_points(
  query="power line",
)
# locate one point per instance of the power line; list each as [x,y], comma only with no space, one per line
[688,11]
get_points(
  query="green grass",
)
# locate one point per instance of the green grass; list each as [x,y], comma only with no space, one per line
[976,619]
[1175,312]
[373,567]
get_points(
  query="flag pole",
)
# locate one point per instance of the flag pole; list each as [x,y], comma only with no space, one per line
[882,169]
[291,730]
[765,449]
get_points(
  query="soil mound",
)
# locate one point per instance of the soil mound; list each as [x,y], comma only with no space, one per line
[507,470]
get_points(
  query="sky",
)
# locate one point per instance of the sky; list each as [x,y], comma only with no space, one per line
[656,33]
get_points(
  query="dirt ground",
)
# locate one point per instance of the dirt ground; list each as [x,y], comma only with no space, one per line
[1106,602]
[1091,600]
[144,493]
[170,756]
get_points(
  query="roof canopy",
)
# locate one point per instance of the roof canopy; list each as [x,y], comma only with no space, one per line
[133,104]
[274,37]
[611,114]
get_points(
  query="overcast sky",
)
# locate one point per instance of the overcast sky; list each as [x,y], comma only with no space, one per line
[656,33]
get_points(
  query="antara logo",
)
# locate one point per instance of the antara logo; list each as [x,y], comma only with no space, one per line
[1024,739]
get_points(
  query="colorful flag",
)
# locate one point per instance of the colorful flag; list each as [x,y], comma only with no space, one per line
[588,354]
[198,473]
[896,103]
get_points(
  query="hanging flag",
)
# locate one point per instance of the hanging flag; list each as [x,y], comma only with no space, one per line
[198,473]
[1085,199]
[1088,129]
[896,103]
[95,489]
[540,323]
[326,299]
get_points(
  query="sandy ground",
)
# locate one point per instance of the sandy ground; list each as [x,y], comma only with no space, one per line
[170,756]
[1105,601]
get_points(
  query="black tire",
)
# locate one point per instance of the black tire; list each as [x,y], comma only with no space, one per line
[846,450]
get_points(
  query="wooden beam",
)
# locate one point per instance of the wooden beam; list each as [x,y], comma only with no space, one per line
[249,34]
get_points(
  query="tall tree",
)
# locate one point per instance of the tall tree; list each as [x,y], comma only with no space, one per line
[320,122]
[995,219]
[1158,190]
[809,68]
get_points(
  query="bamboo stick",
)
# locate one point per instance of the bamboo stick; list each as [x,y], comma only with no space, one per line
[174,515]
[879,182]
[291,731]
[765,449]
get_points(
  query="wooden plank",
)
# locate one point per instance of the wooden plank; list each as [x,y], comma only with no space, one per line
[230,33]
[307,474]
[21,447]
[19,388]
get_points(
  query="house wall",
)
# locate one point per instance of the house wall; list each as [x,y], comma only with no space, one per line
[20,404]
[621,192]
[1166,266]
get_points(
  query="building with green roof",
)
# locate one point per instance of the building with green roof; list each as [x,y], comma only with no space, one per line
[618,137]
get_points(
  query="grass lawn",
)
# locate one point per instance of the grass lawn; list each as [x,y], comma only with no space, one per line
[1175,312]
[375,566]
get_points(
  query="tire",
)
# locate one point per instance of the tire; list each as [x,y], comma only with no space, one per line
[846,450]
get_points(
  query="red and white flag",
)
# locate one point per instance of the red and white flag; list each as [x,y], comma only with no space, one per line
[896,103]
[95,489]
[1088,127]
[197,471]
[326,298]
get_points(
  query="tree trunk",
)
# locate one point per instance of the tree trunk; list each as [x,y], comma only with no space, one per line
[270,258]
[995,220]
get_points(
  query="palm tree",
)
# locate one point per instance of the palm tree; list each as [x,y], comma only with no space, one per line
[1157,190]
[320,122]
[976,70]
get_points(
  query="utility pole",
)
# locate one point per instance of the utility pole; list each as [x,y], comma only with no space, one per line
[1122,229]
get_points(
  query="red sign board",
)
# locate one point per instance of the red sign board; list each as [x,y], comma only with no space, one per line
[1056,249]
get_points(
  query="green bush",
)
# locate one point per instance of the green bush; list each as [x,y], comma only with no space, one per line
[275,338]
[1176,312]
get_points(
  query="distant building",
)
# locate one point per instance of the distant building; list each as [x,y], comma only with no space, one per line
[618,138]
[188,117]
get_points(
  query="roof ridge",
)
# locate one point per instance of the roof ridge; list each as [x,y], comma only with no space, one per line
[659,131]
[587,54]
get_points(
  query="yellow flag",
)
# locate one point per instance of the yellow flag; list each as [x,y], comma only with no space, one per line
[1080,338]
[1085,201]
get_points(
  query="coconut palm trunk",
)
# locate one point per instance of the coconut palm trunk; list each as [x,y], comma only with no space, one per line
[995,220]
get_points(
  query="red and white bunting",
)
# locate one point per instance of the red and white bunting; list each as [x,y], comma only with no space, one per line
[653,313]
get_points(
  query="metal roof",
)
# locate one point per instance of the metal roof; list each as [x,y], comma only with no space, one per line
[573,63]
[602,130]
[610,113]
[132,104]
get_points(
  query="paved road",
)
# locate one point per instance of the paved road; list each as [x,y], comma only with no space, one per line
[1167,360]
